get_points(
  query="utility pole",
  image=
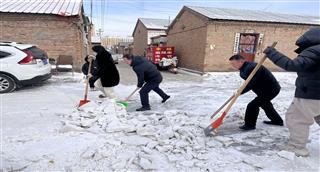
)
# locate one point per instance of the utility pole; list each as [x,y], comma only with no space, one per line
[91,12]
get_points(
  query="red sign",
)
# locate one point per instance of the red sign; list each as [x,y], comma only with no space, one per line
[161,52]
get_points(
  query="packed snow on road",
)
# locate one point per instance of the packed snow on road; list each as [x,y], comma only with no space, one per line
[42,129]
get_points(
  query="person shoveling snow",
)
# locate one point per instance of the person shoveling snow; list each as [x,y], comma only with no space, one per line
[107,73]
[265,86]
[149,78]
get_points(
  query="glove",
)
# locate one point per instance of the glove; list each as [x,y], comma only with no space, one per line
[268,50]
[89,75]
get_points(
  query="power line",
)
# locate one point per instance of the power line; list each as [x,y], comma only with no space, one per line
[117,20]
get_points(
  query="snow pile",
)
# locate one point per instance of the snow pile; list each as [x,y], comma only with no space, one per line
[97,117]
[103,136]
[169,140]
[149,140]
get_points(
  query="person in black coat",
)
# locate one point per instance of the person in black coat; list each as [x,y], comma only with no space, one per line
[264,85]
[107,72]
[93,71]
[149,78]
[305,107]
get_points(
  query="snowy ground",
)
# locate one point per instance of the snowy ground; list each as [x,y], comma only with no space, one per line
[41,128]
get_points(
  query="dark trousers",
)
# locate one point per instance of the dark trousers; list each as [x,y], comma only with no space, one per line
[92,80]
[144,92]
[252,110]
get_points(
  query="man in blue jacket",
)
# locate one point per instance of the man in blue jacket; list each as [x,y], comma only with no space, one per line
[305,107]
[149,78]
[265,86]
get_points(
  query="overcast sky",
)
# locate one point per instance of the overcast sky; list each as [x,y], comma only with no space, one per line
[118,17]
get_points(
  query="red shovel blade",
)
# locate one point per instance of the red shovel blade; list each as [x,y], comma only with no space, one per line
[82,102]
[219,121]
[214,125]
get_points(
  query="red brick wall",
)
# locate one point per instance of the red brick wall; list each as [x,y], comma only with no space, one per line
[205,45]
[54,34]
[140,39]
[188,36]
[221,37]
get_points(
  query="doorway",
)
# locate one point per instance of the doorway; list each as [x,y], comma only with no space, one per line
[247,45]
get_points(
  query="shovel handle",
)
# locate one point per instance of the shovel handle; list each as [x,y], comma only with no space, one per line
[224,104]
[127,99]
[87,79]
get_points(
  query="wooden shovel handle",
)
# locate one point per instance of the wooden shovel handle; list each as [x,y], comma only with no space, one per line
[90,58]
[222,106]
[127,99]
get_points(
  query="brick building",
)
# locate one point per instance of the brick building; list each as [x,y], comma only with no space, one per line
[112,41]
[204,38]
[57,26]
[145,29]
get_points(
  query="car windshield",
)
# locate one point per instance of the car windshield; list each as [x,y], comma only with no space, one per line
[37,52]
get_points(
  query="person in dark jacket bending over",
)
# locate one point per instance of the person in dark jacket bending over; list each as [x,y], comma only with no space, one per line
[107,73]
[93,70]
[305,107]
[147,73]
[265,86]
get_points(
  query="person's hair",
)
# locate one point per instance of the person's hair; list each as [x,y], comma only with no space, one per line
[99,49]
[236,57]
[128,56]
[86,59]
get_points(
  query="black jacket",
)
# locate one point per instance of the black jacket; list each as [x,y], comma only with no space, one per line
[306,64]
[146,71]
[263,83]
[85,68]
[106,69]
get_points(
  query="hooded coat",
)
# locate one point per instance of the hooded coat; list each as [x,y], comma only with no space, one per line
[306,64]
[106,69]
[146,71]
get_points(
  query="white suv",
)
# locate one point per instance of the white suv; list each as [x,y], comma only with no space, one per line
[21,65]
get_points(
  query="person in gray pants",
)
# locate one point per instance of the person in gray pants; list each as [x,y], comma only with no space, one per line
[305,105]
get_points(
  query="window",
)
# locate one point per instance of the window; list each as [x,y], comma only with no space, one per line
[37,52]
[4,54]
[247,43]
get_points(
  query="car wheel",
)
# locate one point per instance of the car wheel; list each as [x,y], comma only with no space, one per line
[7,84]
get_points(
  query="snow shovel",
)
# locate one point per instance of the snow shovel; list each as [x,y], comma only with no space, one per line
[85,100]
[224,104]
[216,124]
[125,101]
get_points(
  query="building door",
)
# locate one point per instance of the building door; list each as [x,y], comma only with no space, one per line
[248,45]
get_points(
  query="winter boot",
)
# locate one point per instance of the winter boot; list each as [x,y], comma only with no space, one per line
[165,99]
[143,109]
[298,151]
[101,96]
[247,127]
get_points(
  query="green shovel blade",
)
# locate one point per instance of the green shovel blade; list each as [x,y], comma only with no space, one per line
[124,104]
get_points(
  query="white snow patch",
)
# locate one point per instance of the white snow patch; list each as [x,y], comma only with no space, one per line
[51,134]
